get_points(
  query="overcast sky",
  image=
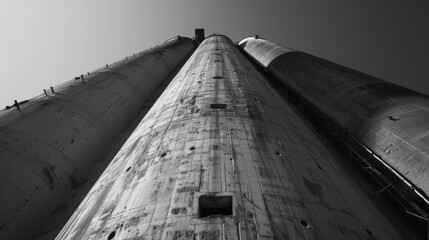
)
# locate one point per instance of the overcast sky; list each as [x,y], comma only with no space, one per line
[45,43]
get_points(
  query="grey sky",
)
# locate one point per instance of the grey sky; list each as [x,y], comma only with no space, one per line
[44,43]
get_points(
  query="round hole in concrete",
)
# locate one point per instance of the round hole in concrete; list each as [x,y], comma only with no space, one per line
[305,223]
[278,153]
[163,154]
[192,148]
[111,235]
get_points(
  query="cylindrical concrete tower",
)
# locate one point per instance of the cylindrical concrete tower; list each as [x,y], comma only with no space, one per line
[222,156]
[389,121]
[48,144]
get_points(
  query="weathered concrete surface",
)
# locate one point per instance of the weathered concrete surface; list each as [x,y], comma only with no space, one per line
[48,145]
[390,120]
[219,129]
[62,214]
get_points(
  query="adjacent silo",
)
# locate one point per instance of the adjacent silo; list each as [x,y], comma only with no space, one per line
[387,120]
[48,144]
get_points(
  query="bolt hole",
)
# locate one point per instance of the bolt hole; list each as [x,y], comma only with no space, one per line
[278,153]
[128,169]
[192,148]
[305,224]
[111,235]
[163,154]
[319,166]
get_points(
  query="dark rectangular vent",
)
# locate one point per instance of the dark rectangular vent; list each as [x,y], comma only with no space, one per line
[217,77]
[199,34]
[215,205]
[218,106]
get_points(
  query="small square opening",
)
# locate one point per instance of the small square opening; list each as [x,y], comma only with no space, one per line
[218,106]
[215,205]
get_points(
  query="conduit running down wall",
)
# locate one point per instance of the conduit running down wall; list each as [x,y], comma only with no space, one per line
[48,144]
[221,155]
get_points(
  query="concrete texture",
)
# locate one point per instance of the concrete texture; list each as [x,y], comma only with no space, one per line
[48,144]
[389,120]
[218,131]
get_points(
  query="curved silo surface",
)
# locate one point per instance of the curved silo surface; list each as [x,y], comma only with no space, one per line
[48,144]
[220,155]
[389,120]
